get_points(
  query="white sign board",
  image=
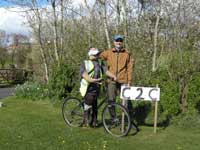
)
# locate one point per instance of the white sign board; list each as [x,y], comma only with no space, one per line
[140,93]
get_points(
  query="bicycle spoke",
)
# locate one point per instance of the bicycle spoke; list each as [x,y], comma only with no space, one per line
[72,112]
[116,120]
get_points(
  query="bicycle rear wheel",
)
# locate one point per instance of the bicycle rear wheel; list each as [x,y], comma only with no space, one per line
[116,120]
[72,111]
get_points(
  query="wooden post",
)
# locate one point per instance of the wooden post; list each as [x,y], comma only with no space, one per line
[155,114]
[123,103]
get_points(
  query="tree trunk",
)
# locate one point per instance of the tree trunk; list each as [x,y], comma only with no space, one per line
[103,3]
[155,38]
[183,95]
[125,24]
[118,16]
[55,39]
[89,25]
[61,28]
[46,76]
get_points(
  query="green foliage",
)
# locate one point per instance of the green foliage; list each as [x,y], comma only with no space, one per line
[32,90]
[27,125]
[169,98]
[193,93]
[62,81]
[186,120]
[177,71]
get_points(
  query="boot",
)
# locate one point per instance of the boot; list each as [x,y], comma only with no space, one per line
[85,119]
[94,122]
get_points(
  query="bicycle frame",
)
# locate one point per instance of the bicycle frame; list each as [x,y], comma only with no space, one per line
[115,117]
[101,103]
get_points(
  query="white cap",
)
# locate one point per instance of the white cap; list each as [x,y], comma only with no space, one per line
[93,51]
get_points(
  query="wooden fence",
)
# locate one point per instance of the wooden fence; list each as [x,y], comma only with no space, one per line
[14,76]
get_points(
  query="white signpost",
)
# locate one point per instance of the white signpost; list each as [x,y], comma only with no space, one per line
[142,93]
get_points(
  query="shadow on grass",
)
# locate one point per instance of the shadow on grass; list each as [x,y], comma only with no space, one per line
[139,116]
[140,113]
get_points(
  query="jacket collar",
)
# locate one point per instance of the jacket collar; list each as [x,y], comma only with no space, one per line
[114,50]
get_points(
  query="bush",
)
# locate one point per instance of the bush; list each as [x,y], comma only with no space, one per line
[193,93]
[32,90]
[62,81]
[187,120]
[168,106]
[169,90]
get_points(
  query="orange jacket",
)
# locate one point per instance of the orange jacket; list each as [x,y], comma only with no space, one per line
[119,63]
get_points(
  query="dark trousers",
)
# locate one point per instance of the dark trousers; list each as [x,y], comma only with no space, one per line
[113,90]
[91,100]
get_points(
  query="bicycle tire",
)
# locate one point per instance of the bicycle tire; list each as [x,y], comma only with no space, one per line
[115,124]
[72,111]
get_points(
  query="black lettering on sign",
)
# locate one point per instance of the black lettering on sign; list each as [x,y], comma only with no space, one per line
[151,92]
[140,94]
[124,89]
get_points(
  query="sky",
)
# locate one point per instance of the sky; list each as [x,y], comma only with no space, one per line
[13,20]
[4,3]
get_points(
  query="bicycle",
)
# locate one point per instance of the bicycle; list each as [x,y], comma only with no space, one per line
[115,117]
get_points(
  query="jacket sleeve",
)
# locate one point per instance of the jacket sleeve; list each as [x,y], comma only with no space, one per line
[104,55]
[104,67]
[130,65]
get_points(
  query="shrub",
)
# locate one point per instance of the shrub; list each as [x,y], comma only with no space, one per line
[193,93]
[169,90]
[62,81]
[187,120]
[168,105]
[32,90]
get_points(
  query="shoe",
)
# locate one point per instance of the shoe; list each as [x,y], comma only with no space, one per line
[95,124]
[84,125]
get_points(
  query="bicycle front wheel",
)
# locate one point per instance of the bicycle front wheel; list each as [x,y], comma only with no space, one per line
[72,111]
[116,120]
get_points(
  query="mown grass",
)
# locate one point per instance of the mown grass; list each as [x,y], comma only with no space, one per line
[38,125]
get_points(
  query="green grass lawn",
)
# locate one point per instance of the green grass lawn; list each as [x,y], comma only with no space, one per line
[28,125]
